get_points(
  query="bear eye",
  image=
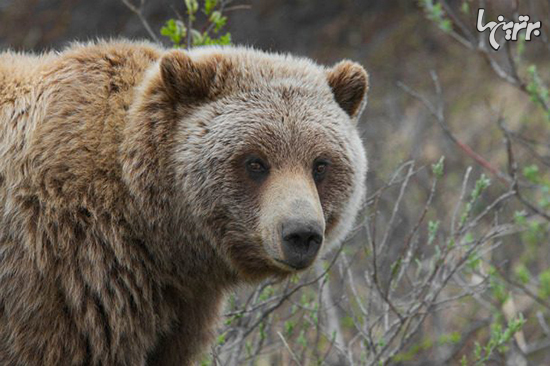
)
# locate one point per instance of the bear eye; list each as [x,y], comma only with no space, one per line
[256,167]
[319,170]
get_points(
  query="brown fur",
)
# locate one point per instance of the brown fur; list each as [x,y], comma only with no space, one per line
[125,214]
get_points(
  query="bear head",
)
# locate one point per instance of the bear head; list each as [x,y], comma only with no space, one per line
[257,152]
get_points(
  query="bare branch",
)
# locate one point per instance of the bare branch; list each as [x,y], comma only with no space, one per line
[139,12]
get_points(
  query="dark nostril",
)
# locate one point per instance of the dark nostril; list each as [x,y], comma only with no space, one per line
[303,238]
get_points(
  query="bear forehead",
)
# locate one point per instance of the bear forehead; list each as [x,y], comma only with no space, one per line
[285,130]
[281,105]
[250,68]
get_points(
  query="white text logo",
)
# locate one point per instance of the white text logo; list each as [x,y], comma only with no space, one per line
[512,29]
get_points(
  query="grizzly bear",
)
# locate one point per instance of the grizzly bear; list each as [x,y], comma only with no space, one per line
[139,185]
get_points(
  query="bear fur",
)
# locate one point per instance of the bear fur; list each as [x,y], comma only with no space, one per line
[126,210]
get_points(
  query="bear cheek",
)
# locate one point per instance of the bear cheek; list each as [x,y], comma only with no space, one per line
[291,220]
[335,195]
[339,224]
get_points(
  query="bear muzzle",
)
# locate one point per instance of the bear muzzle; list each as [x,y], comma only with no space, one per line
[291,220]
[300,242]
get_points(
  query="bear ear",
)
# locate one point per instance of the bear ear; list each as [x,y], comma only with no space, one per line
[185,79]
[349,82]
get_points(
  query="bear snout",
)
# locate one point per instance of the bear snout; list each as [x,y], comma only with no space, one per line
[301,240]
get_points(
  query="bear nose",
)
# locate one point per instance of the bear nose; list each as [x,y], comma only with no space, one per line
[301,241]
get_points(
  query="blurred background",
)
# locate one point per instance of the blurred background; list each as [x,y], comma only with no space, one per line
[450,261]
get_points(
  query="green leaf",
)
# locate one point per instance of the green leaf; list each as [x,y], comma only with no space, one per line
[519,218]
[302,340]
[209,6]
[446,25]
[218,20]
[437,168]
[192,6]
[433,227]
[221,339]
[289,327]
[395,267]
[450,338]
[267,292]
[482,183]
[544,286]
[531,173]
[537,90]
[522,273]
[175,30]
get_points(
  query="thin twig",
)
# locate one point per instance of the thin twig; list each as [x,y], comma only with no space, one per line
[139,12]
